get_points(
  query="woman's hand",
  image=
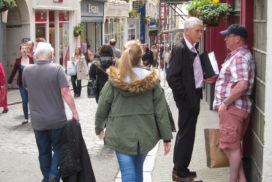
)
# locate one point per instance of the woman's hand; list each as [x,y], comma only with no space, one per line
[167,147]
[101,135]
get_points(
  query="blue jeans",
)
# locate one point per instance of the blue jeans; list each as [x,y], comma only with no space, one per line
[131,167]
[48,141]
[24,96]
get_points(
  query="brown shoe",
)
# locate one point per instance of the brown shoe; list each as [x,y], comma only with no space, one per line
[191,174]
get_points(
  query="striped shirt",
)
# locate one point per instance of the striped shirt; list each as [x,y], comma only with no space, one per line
[239,65]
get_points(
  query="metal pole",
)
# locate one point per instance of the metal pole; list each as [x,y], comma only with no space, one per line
[164,45]
[159,33]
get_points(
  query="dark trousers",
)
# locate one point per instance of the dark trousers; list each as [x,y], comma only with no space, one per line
[76,85]
[186,136]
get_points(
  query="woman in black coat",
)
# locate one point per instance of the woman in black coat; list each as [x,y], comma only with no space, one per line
[99,67]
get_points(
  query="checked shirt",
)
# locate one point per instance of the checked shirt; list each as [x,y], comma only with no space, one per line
[238,66]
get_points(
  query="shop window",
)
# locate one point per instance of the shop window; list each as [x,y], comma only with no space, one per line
[45,20]
[92,36]
[40,30]
[40,16]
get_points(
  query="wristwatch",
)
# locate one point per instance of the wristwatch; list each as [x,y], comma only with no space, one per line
[226,102]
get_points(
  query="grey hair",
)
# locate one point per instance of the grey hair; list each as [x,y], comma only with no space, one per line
[190,22]
[43,50]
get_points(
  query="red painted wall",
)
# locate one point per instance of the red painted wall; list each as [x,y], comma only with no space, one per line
[214,41]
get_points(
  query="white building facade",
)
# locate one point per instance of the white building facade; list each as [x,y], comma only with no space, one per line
[52,20]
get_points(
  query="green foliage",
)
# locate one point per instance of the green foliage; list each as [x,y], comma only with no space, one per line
[134,13]
[78,29]
[210,12]
[6,4]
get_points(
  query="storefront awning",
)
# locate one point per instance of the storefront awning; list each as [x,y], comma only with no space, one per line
[91,19]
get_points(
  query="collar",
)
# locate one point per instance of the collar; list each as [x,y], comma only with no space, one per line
[236,50]
[42,62]
[189,45]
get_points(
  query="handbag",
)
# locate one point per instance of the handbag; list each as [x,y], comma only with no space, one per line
[3,97]
[71,68]
[215,156]
[92,88]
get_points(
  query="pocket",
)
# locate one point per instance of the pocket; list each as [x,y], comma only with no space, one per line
[228,134]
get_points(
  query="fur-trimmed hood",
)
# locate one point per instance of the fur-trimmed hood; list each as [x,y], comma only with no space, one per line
[149,82]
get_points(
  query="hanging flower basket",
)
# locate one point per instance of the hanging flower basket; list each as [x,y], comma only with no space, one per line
[211,12]
[7,4]
[78,29]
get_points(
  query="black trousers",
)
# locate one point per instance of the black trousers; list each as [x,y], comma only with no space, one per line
[76,85]
[186,135]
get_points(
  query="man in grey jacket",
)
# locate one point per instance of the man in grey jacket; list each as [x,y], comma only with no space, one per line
[116,52]
[47,87]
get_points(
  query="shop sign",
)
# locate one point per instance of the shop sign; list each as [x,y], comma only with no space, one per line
[66,5]
[93,9]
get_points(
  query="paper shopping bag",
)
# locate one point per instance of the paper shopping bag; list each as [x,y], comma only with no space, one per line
[215,156]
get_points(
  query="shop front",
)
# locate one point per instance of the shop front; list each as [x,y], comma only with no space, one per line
[133,28]
[54,22]
[115,26]
[92,16]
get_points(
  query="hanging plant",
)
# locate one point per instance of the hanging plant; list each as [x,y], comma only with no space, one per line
[134,13]
[211,12]
[148,19]
[78,29]
[7,4]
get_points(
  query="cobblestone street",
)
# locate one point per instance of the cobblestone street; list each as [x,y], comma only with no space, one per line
[19,155]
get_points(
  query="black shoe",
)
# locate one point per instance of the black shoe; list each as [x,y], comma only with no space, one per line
[5,111]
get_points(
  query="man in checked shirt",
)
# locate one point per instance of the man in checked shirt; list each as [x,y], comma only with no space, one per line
[233,91]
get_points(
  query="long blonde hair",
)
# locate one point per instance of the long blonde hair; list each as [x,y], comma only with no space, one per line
[131,56]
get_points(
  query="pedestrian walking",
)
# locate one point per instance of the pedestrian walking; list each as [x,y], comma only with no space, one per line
[185,77]
[233,91]
[20,64]
[89,55]
[30,45]
[47,86]
[155,55]
[166,57]
[99,67]
[135,112]
[148,56]
[3,90]
[116,51]
[81,71]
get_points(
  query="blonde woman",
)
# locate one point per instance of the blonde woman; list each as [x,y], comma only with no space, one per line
[134,110]
[81,71]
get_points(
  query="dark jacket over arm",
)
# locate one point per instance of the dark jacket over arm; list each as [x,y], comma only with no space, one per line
[75,164]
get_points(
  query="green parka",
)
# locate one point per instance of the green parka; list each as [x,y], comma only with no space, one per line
[135,114]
